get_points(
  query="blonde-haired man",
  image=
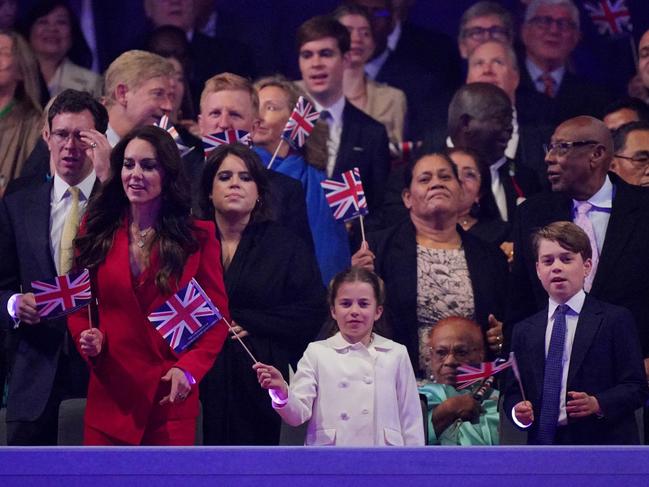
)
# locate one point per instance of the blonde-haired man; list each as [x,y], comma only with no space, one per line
[137,90]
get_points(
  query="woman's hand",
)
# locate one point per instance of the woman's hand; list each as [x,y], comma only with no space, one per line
[180,386]
[237,331]
[98,152]
[270,378]
[364,257]
[91,341]
[495,335]
[508,250]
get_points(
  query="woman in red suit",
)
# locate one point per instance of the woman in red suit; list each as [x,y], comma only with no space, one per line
[142,245]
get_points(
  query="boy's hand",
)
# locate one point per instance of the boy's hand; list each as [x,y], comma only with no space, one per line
[581,405]
[524,412]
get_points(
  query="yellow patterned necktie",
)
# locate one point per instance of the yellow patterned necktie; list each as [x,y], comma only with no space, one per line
[70,227]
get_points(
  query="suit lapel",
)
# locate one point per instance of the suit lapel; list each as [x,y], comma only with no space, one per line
[232,275]
[589,322]
[536,348]
[348,135]
[38,209]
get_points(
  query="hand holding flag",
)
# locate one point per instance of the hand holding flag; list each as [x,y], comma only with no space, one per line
[470,374]
[347,198]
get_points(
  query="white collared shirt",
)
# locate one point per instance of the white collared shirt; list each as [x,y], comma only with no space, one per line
[60,203]
[536,72]
[600,214]
[512,145]
[395,35]
[335,131]
[498,188]
[112,136]
[373,67]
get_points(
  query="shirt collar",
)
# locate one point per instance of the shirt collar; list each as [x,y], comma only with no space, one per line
[335,110]
[576,303]
[395,35]
[60,187]
[337,342]
[497,165]
[603,199]
[112,136]
[373,67]
[536,72]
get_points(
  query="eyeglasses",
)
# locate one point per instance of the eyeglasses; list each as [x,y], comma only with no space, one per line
[638,161]
[482,34]
[562,148]
[460,353]
[544,22]
[61,137]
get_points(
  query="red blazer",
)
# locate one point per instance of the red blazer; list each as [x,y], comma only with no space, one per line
[125,386]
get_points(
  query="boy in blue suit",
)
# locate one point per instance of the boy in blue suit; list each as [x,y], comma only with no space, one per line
[579,359]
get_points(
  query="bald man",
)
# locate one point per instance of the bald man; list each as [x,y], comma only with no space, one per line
[578,161]
[455,416]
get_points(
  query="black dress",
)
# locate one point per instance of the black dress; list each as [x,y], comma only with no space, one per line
[275,293]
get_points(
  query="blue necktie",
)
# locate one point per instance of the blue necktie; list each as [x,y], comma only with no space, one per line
[552,379]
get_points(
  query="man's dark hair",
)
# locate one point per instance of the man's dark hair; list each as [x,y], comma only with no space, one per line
[73,101]
[622,132]
[630,103]
[322,26]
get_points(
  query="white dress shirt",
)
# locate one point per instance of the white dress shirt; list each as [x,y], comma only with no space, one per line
[60,206]
[112,136]
[498,189]
[600,214]
[335,131]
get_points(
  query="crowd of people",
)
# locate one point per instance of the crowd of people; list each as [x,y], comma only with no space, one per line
[506,196]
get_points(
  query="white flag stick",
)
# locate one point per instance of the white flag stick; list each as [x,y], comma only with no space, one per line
[240,341]
[517,374]
[272,159]
[362,229]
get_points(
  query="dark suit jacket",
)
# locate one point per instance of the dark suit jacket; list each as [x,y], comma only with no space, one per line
[575,97]
[364,144]
[396,262]
[276,294]
[623,271]
[519,182]
[25,256]
[605,362]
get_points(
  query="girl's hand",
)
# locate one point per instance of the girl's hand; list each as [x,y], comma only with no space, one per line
[270,378]
[180,386]
[364,257]
[91,341]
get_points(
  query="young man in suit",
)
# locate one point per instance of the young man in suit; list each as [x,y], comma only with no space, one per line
[38,223]
[579,360]
[355,139]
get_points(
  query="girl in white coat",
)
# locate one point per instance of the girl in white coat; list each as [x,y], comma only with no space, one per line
[356,388]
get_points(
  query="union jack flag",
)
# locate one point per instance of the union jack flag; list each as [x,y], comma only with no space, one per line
[230,136]
[166,124]
[301,122]
[402,150]
[470,374]
[185,316]
[610,16]
[61,295]
[346,198]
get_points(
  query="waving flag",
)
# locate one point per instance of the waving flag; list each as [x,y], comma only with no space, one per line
[346,198]
[402,150]
[469,374]
[610,16]
[301,122]
[166,124]
[185,316]
[62,295]
[230,136]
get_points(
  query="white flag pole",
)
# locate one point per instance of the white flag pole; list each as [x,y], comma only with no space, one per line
[272,159]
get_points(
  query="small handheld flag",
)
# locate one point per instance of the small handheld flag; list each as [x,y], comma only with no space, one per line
[62,295]
[404,149]
[611,17]
[346,198]
[185,316]
[469,374]
[166,124]
[230,136]
[301,122]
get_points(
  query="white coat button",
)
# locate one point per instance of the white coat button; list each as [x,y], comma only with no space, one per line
[365,411]
[344,416]
[367,379]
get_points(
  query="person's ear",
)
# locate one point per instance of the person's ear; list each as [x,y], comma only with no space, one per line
[121,90]
[379,313]
[588,267]
[406,198]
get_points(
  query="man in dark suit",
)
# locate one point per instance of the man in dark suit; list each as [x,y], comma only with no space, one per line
[578,160]
[553,94]
[229,101]
[579,360]
[34,222]
[355,139]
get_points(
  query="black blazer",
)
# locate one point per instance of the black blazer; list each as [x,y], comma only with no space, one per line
[364,144]
[275,293]
[25,256]
[396,262]
[605,362]
[623,271]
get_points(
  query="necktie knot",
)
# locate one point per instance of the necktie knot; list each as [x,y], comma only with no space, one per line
[562,309]
[73,191]
[583,207]
[548,84]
